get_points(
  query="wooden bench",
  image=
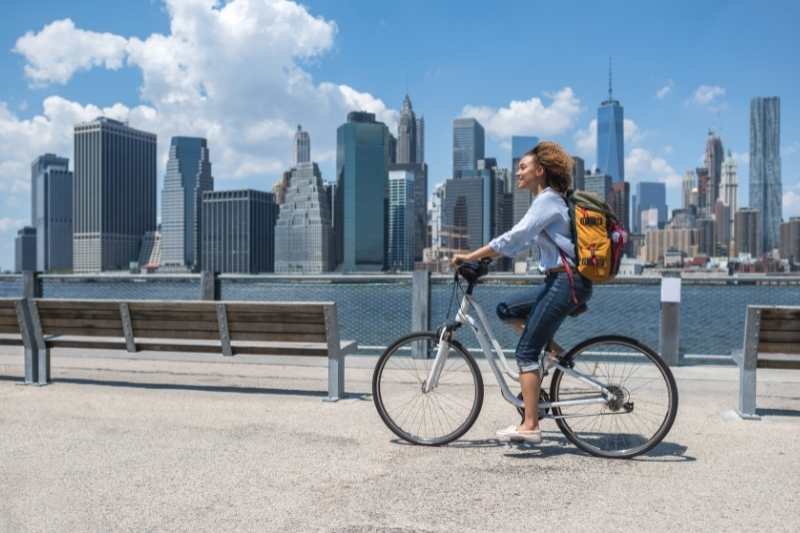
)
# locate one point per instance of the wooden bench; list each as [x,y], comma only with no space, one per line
[229,328]
[771,340]
[15,331]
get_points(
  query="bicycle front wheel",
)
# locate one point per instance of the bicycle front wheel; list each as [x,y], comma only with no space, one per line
[431,418]
[643,406]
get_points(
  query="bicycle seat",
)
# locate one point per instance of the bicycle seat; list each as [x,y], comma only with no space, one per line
[473,270]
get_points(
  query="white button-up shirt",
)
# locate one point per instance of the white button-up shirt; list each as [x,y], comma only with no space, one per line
[547,213]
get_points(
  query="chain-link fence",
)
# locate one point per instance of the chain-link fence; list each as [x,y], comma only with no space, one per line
[376,310]
[373,312]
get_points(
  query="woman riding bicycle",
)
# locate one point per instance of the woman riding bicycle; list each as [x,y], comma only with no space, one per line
[546,172]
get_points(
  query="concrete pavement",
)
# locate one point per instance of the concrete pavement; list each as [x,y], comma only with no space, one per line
[211,445]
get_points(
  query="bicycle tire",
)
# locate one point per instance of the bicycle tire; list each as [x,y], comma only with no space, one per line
[406,434]
[664,371]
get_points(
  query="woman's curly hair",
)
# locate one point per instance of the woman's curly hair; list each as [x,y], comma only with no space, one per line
[556,162]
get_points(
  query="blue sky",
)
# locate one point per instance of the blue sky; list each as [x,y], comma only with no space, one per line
[244,74]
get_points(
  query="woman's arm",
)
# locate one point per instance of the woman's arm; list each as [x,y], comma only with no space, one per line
[480,253]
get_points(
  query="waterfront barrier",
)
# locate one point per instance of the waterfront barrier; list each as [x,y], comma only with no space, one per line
[376,309]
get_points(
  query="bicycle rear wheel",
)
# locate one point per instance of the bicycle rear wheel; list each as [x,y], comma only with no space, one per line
[436,417]
[643,408]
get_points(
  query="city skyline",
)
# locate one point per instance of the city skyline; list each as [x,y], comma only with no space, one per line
[668,109]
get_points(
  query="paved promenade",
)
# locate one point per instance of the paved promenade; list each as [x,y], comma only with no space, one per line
[125,445]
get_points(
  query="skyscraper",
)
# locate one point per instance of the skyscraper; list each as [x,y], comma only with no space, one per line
[302,146]
[728,188]
[238,231]
[689,184]
[25,250]
[748,232]
[468,146]
[188,176]
[599,184]
[578,173]
[114,194]
[436,205]
[714,155]
[407,134]
[51,215]
[651,194]
[610,136]
[303,232]
[790,240]
[401,219]
[519,145]
[360,210]
[421,139]
[765,167]
[620,201]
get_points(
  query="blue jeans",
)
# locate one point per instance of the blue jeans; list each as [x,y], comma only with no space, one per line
[544,308]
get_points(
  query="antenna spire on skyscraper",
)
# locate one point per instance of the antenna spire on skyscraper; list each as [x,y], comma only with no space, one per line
[609,78]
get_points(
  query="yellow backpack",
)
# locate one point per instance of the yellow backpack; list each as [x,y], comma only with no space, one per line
[599,237]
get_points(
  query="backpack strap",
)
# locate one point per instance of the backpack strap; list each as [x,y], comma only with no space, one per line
[567,267]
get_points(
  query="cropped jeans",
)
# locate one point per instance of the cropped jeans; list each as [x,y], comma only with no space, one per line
[543,308]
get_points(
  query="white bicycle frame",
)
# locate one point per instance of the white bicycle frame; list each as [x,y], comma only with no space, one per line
[496,358]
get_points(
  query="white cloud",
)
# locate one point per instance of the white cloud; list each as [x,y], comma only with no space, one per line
[530,116]
[791,204]
[60,49]
[586,138]
[665,90]
[231,72]
[706,95]
[22,140]
[641,165]
[11,224]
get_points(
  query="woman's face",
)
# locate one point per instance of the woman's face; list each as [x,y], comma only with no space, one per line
[530,175]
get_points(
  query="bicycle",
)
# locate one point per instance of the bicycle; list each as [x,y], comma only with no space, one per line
[611,396]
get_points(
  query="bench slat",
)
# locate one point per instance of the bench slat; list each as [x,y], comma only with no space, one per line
[8,320]
[8,328]
[787,361]
[167,325]
[285,318]
[10,310]
[780,314]
[779,347]
[77,314]
[779,336]
[96,305]
[779,325]
[274,327]
[181,316]
[170,346]
[83,331]
[151,333]
[56,323]
[288,337]
[88,344]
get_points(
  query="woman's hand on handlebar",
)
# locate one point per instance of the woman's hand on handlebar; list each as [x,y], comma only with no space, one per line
[458,259]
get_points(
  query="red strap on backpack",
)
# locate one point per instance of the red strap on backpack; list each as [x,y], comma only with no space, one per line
[570,276]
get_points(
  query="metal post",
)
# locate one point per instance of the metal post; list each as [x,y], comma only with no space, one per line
[31,285]
[749,364]
[421,308]
[209,286]
[669,339]
[31,288]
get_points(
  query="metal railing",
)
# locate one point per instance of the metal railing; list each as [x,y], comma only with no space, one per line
[706,324]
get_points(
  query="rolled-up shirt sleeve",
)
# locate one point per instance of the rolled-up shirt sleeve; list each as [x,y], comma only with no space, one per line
[539,216]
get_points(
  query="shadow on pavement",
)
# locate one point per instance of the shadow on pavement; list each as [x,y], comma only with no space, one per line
[777,412]
[206,388]
[552,446]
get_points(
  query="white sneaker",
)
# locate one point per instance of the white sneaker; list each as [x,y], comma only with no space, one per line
[513,434]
